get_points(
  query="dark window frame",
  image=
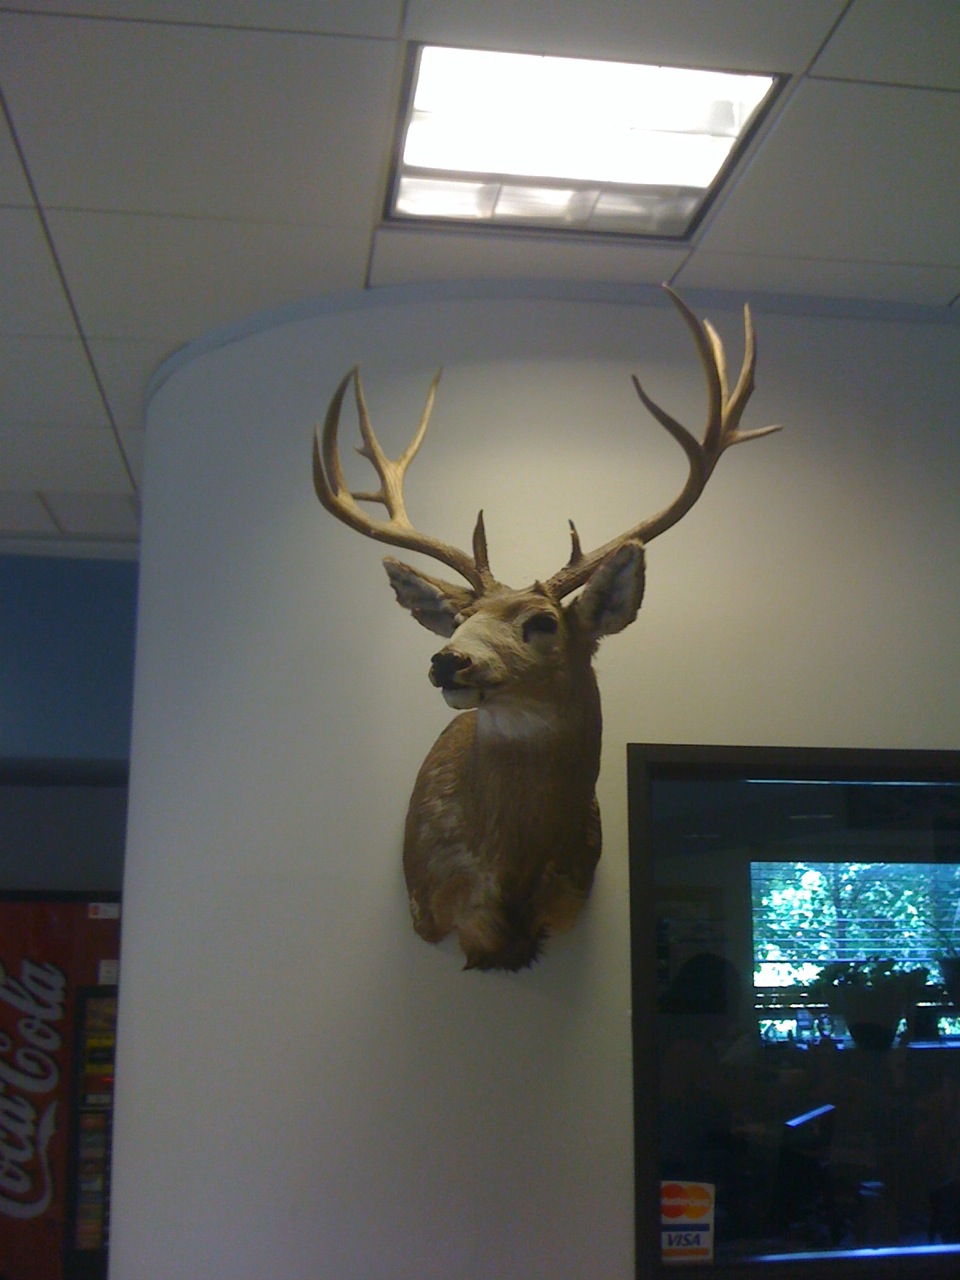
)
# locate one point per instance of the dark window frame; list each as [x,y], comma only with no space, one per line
[647,763]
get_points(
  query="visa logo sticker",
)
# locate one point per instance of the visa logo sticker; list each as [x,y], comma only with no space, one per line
[686,1221]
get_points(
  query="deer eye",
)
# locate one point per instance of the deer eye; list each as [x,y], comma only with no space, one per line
[540,624]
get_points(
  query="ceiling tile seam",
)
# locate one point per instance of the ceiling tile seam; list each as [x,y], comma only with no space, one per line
[124,211]
[675,275]
[558,236]
[68,296]
[910,263]
[371,254]
[40,335]
[790,83]
[862,82]
[47,500]
[68,538]
[21,11]
[834,28]
[812,74]
[391,158]
[50,513]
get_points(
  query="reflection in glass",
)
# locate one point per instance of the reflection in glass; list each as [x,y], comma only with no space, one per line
[790,915]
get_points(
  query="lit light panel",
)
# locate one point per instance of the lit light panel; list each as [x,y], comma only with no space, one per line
[520,139]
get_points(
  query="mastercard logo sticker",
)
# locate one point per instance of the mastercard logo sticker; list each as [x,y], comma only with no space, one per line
[686,1221]
[685,1201]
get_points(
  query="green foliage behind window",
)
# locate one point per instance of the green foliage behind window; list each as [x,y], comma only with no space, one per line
[807,914]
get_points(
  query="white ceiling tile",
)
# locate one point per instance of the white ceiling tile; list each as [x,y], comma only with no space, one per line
[896,43]
[175,278]
[13,183]
[32,296]
[855,172]
[24,513]
[47,381]
[198,168]
[343,17]
[94,515]
[190,120]
[125,370]
[60,458]
[414,255]
[819,277]
[769,35]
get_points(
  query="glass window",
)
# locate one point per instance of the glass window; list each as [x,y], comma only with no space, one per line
[796,986]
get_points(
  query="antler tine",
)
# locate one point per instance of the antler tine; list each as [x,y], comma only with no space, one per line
[480,557]
[724,411]
[391,473]
[334,493]
[708,345]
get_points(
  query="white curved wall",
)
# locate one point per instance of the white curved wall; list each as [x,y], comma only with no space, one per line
[305,1088]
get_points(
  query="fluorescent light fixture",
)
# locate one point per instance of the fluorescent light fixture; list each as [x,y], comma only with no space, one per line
[524,140]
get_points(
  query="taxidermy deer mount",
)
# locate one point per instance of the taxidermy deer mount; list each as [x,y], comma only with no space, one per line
[503,829]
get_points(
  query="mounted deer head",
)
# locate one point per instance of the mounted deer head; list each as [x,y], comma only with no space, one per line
[503,830]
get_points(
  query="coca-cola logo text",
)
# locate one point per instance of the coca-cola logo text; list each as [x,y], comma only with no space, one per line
[29,1070]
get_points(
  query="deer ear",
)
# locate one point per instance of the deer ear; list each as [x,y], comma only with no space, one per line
[435,604]
[611,599]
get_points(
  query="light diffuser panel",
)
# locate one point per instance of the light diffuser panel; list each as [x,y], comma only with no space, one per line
[567,142]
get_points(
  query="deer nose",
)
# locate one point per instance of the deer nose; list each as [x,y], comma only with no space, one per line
[444,667]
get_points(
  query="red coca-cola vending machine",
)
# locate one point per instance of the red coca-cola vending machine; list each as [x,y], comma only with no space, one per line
[59,967]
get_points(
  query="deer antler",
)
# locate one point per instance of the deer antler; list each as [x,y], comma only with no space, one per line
[722,430]
[339,500]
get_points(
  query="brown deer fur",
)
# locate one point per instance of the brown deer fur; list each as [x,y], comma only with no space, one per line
[503,828]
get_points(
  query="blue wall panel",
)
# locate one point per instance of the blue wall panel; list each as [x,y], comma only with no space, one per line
[66,657]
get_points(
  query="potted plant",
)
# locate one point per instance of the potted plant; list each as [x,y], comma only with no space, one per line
[948,956]
[871,996]
[949,962]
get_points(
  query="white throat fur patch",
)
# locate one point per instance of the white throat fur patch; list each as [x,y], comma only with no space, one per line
[517,722]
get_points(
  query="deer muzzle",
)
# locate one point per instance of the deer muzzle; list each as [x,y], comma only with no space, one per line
[446,671]
[446,666]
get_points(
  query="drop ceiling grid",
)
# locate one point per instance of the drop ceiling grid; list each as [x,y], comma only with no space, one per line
[194,173]
[835,191]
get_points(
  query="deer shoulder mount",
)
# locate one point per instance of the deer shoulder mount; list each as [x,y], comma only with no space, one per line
[502,833]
